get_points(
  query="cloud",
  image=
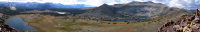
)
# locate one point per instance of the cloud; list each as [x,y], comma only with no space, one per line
[3,0]
[188,4]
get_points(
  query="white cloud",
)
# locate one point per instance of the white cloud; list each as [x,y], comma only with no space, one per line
[175,3]
[3,0]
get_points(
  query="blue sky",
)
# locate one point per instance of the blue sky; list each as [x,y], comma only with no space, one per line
[187,4]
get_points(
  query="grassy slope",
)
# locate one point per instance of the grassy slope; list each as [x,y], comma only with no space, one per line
[46,23]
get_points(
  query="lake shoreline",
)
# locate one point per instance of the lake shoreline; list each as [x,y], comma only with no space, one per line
[19,24]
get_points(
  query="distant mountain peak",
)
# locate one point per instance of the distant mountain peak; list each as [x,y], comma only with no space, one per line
[104,5]
[150,2]
[134,2]
[35,5]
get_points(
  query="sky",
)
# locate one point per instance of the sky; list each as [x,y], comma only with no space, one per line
[187,4]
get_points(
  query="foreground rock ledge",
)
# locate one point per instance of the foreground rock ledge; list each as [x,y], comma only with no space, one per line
[4,27]
[187,23]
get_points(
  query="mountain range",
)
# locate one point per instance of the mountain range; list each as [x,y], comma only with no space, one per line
[36,5]
[132,10]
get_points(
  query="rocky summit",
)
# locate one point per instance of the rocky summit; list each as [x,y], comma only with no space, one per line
[131,10]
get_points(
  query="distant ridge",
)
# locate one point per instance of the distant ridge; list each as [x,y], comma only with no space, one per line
[132,10]
[35,5]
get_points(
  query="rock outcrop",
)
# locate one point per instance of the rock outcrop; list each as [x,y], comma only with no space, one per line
[9,10]
[4,27]
[187,23]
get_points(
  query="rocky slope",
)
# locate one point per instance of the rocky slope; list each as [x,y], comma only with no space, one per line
[4,27]
[132,10]
[187,23]
[8,10]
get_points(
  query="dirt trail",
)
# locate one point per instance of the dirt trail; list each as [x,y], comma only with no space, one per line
[187,23]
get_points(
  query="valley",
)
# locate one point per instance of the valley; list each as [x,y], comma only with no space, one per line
[129,17]
[47,23]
